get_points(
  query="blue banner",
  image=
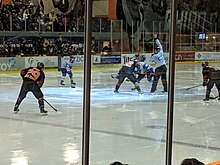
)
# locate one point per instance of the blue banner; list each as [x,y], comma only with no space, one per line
[111,59]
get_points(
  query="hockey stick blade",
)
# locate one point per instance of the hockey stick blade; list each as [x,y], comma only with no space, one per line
[213,97]
[194,87]
[112,76]
[50,105]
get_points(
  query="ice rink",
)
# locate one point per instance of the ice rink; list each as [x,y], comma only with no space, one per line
[125,126]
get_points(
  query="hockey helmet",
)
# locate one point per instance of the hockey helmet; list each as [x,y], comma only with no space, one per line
[143,58]
[146,66]
[137,54]
[72,58]
[40,65]
[204,64]
[133,59]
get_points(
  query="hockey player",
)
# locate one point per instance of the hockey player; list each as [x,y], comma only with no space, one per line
[33,80]
[127,71]
[211,77]
[161,69]
[145,71]
[140,58]
[66,69]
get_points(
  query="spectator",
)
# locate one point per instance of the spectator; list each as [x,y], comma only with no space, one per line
[54,21]
[201,6]
[117,163]
[26,14]
[64,23]
[58,44]
[52,16]
[107,49]
[39,45]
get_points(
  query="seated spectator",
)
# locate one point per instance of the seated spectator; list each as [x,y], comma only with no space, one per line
[107,49]
[191,161]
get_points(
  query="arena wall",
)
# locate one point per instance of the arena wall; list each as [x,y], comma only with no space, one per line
[17,63]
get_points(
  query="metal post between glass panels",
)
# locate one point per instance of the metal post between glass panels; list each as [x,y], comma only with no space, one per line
[87,83]
[169,136]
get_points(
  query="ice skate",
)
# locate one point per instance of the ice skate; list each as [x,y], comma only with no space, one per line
[133,88]
[116,91]
[73,83]
[62,83]
[206,99]
[16,110]
[140,93]
[43,112]
[152,91]
[73,86]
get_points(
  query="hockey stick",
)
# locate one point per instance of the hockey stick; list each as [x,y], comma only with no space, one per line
[113,76]
[194,86]
[215,97]
[50,105]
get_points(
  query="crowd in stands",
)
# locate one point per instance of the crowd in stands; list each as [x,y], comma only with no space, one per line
[19,16]
[26,16]
[41,45]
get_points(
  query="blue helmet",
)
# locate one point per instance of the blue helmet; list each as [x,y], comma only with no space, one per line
[148,67]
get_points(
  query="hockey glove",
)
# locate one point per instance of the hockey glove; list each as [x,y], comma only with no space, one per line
[205,82]
[149,79]
[22,73]
[40,84]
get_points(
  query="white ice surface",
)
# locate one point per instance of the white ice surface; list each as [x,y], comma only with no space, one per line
[124,126]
